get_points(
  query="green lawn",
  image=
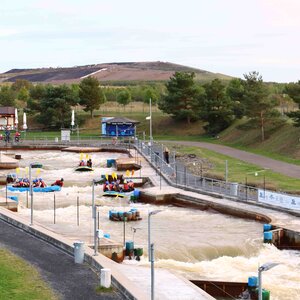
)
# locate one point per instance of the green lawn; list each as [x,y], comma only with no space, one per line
[239,170]
[20,281]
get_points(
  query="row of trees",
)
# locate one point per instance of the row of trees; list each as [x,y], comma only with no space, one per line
[52,104]
[215,103]
[219,105]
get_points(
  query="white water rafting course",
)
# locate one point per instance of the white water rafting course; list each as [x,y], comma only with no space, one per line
[197,244]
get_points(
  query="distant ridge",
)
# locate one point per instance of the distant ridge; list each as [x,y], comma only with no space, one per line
[108,72]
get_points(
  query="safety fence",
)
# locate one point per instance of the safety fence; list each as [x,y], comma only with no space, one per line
[179,175]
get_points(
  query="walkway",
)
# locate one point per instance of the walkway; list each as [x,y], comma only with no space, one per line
[67,279]
[287,169]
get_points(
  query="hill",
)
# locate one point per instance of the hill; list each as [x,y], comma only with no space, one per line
[108,72]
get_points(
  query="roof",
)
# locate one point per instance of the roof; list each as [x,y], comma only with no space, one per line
[7,110]
[120,121]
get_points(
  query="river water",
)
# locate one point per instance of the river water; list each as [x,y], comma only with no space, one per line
[196,244]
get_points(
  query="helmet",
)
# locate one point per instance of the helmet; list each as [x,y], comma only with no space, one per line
[62,179]
[40,179]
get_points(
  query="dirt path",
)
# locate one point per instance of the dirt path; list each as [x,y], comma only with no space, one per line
[259,160]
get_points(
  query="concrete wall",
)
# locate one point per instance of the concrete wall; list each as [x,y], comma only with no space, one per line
[128,289]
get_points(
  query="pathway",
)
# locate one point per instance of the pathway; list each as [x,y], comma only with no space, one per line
[287,169]
[67,279]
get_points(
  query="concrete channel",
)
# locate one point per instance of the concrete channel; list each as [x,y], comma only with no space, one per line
[126,278]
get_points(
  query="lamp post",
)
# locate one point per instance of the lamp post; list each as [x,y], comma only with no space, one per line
[94,216]
[152,270]
[124,229]
[265,267]
[151,213]
[32,166]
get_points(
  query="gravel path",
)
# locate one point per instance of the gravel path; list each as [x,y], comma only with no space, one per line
[262,161]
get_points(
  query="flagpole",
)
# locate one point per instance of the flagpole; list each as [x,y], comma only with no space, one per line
[150,123]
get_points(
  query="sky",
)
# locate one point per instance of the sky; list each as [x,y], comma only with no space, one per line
[232,37]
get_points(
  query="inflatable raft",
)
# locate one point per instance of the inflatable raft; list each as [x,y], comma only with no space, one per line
[54,188]
[117,194]
[84,169]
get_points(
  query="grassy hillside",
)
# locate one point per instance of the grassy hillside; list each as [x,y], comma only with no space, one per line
[125,72]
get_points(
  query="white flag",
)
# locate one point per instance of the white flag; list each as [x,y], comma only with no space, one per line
[148,118]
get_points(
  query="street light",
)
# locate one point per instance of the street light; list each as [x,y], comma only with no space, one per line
[32,166]
[94,216]
[151,213]
[265,267]
[150,118]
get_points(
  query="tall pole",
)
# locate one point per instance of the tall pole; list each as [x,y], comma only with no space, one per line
[6,189]
[152,271]
[31,198]
[94,216]
[77,210]
[226,171]
[150,122]
[95,230]
[264,185]
[54,208]
[124,233]
[259,285]
[149,236]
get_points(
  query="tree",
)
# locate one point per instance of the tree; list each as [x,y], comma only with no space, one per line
[258,105]
[216,107]
[235,91]
[7,96]
[152,94]
[90,94]
[23,94]
[293,91]
[20,84]
[55,106]
[183,97]
[36,94]
[124,98]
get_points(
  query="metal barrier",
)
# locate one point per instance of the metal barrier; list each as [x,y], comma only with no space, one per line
[178,175]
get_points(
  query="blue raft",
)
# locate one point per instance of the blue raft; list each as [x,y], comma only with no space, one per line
[47,189]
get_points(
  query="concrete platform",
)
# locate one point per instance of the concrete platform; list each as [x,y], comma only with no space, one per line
[123,164]
[7,162]
[9,204]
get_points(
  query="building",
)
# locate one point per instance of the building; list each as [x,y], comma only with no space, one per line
[7,118]
[118,127]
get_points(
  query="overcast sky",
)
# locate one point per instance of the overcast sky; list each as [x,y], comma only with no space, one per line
[225,36]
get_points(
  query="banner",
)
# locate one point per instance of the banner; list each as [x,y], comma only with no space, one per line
[276,199]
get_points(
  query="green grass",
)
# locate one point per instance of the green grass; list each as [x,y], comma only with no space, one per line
[239,170]
[102,289]
[20,281]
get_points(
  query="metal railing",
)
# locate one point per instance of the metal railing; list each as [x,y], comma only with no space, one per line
[178,175]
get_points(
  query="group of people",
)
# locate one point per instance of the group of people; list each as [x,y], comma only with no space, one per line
[118,187]
[24,182]
[6,136]
[88,163]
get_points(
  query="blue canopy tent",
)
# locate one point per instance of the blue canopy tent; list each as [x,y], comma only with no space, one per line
[119,127]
